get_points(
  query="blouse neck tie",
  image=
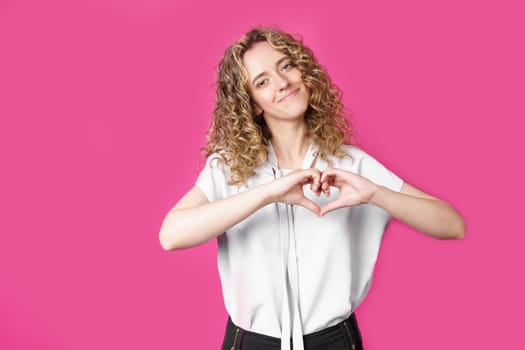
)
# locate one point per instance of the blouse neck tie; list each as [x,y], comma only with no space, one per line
[291,321]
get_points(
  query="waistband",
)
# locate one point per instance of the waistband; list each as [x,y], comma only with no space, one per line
[348,331]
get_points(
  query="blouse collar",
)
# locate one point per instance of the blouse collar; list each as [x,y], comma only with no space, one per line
[308,162]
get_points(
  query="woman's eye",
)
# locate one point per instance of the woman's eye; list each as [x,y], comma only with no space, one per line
[287,66]
[262,82]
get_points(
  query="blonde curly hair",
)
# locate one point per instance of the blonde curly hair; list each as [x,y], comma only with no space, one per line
[240,137]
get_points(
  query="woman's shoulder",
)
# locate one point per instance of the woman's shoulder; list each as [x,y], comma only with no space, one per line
[357,153]
[215,165]
[352,154]
[369,166]
[355,158]
[353,150]
[218,160]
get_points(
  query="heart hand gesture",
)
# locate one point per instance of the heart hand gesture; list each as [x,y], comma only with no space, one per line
[353,189]
[289,189]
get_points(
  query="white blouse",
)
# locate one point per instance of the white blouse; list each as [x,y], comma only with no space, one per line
[285,271]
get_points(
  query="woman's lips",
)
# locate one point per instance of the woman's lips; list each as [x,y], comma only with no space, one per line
[291,94]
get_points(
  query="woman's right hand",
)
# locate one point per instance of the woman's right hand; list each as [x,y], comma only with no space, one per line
[288,189]
[194,220]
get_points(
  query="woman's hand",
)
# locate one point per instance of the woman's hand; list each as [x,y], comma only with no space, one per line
[289,188]
[353,189]
[414,207]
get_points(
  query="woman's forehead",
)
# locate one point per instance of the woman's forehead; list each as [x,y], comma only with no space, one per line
[260,57]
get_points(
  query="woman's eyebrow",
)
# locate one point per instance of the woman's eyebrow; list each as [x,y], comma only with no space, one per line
[279,61]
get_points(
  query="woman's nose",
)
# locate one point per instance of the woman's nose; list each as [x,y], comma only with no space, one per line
[282,81]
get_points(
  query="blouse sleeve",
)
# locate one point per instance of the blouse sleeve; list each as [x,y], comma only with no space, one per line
[211,179]
[376,172]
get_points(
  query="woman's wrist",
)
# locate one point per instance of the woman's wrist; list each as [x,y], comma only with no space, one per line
[265,193]
[376,194]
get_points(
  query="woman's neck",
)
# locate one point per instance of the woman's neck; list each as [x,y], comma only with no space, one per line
[290,146]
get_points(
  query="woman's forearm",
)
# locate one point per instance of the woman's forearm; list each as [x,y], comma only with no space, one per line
[430,216]
[194,220]
[189,227]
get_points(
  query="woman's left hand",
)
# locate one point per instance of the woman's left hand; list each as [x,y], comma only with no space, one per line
[410,205]
[353,189]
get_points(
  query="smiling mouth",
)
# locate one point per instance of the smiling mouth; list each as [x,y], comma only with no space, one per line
[290,95]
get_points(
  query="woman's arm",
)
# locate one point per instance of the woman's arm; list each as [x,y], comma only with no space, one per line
[414,207]
[423,212]
[194,220]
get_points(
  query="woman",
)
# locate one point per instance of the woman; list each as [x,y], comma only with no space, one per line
[297,210]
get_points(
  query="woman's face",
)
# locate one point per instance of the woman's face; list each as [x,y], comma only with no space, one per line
[275,84]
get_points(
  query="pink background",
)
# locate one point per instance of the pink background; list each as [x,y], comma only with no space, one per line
[104,105]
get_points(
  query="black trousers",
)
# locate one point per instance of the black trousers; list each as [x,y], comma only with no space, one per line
[342,336]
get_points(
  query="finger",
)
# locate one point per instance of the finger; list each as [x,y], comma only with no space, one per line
[316,184]
[303,178]
[325,187]
[316,189]
[327,191]
[326,173]
[311,173]
[334,173]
